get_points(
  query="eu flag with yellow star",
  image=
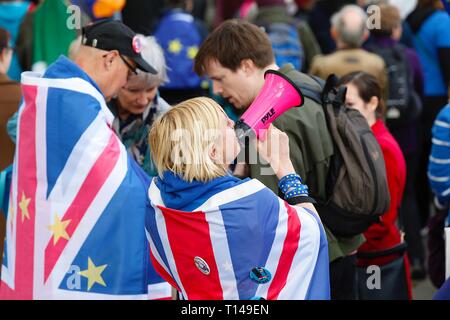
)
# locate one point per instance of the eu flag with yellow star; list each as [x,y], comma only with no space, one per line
[75,225]
[179,35]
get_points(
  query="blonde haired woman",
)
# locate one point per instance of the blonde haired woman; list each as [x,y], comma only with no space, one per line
[214,236]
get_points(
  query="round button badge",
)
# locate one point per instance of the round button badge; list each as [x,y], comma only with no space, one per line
[202,265]
[260,275]
[136,44]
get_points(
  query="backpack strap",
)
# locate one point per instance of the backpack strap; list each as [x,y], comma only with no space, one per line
[331,93]
[324,96]
[311,93]
[339,99]
[397,249]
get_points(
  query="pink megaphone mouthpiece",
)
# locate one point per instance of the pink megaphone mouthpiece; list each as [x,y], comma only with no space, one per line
[278,95]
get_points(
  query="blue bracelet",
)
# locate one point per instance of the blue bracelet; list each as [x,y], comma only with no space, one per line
[288,181]
[289,177]
[291,186]
[297,192]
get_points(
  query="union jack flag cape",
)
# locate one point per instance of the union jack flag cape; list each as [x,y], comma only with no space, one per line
[206,238]
[75,225]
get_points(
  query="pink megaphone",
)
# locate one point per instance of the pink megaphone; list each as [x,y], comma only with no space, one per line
[278,95]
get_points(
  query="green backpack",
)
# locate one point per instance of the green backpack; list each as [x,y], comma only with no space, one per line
[357,191]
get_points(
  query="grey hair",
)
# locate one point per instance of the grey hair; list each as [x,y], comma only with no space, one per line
[351,37]
[154,55]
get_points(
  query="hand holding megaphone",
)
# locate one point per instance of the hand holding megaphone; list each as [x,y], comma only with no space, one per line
[278,95]
[275,150]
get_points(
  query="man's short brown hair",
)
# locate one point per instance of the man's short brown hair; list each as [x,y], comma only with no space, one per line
[231,43]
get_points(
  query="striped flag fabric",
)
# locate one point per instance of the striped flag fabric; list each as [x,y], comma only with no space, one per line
[75,225]
[208,249]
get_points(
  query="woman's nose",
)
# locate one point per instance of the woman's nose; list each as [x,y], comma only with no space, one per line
[143,99]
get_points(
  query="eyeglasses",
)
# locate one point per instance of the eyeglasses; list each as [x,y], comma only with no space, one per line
[128,65]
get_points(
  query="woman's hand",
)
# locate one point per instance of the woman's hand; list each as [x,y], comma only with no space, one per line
[275,150]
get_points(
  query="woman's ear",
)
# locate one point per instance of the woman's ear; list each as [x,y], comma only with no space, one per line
[213,152]
[373,104]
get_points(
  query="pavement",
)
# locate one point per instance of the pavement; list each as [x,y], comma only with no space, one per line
[423,289]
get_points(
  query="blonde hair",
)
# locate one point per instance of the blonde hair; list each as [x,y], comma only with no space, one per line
[181,140]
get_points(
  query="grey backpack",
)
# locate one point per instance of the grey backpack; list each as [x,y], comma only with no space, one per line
[357,189]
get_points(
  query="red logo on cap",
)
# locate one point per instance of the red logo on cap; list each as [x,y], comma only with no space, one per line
[137,46]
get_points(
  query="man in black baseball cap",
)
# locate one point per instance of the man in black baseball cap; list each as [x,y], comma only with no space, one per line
[109,54]
[114,35]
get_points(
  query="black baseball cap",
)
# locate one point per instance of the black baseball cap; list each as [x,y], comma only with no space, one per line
[114,35]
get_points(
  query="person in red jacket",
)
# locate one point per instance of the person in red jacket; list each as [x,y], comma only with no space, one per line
[364,94]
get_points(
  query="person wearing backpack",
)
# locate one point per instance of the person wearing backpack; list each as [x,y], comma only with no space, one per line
[180,35]
[364,94]
[235,56]
[292,40]
[307,36]
[404,108]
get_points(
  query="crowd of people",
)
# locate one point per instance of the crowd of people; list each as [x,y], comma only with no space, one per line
[140,104]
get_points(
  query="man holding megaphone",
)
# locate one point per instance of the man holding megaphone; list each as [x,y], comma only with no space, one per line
[238,58]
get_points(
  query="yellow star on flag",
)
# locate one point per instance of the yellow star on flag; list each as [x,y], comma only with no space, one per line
[59,229]
[192,52]
[94,274]
[23,205]
[175,46]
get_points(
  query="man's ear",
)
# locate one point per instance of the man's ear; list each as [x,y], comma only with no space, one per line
[366,35]
[397,32]
[109,58]
[248,67]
